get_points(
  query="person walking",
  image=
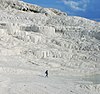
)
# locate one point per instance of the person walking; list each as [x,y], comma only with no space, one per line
[46,73]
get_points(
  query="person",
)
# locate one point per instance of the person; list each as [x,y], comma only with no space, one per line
[46,72]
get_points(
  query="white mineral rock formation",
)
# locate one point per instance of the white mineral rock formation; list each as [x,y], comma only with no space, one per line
[33,38]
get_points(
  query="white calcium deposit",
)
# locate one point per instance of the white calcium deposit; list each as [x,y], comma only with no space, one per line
[34,39]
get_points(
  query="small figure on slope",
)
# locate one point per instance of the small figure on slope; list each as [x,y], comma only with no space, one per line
[46,73]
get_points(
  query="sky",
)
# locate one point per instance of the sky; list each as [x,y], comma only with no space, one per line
[84,8]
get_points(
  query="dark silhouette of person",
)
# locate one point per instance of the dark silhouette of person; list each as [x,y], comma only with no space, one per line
[46,72]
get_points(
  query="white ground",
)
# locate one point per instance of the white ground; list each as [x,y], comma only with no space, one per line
[33,39]
[16,77]
[39,84]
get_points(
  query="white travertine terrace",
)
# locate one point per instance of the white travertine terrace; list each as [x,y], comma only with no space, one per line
[33,38]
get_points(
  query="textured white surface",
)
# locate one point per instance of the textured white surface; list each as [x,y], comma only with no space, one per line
[33,39]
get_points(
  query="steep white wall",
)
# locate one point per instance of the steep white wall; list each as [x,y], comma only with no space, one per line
[48,36]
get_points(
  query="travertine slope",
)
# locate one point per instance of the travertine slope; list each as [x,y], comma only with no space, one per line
[38,37]
[34,39]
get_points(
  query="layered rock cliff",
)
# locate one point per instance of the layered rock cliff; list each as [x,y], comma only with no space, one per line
[35,37]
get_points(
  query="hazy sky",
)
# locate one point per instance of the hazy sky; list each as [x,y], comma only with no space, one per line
[85,8]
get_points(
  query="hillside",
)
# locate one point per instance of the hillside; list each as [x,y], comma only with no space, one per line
[33,39]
